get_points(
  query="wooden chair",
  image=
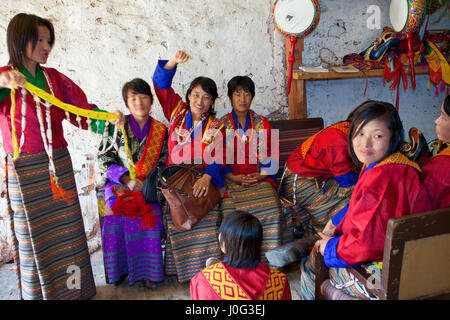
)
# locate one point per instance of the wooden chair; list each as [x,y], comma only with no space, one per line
[415,265]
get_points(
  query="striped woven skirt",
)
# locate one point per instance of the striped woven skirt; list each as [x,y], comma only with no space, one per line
[50,248]
[130,249]
[261,201]
[340,278]
[186,251]
[314,205]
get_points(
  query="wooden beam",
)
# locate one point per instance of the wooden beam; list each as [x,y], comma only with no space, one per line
[297,94]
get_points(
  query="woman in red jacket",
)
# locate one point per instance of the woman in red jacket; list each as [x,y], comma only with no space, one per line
[388,186]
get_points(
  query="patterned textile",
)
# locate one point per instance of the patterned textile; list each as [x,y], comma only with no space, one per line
[314,205]
[342,285]
[228,289]
[330,292]
[308,276]
[128,249]
[342,126]
[50,246]
[188,250]
[152,149]
[257,123]
[261,201]
[130,245]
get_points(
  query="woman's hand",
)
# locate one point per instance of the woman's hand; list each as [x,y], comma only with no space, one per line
[201,186]
[246,180]
[135,185]
[119,121]
[178,57]
[12,79]
[329,229]
[132,184]
[322,243]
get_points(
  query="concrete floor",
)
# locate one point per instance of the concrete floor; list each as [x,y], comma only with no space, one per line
[170,289]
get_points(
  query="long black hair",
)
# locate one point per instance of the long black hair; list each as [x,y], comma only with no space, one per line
[384,111]
[241,234]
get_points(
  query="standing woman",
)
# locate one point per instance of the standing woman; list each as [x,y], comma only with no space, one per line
[50,249]
[436,172]
[132,229]
[251,184]
[193,129]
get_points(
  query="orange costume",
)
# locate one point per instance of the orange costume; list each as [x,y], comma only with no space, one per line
[220,282]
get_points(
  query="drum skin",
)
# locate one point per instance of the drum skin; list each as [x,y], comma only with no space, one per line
[300,33]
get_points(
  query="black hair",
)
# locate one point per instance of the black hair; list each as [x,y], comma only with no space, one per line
[243,82]
[447,105]
[241,234]
[137,85]
[22,29]
[370,110]
[209,86]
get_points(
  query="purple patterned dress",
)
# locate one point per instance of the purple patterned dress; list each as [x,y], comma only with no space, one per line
[128,248]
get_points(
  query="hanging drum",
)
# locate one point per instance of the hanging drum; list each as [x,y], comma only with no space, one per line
[294,19]
[407,17]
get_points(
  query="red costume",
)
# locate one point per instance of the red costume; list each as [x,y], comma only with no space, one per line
[390,189]
[220,282]
[324,155]
[436,177]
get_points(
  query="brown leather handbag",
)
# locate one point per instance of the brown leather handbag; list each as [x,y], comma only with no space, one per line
[185,209]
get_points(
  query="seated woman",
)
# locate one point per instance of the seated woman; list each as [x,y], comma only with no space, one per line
[244,276]
[191,122]
[436,172]
[319,177]
[389,186]
[250,185]
[132,228]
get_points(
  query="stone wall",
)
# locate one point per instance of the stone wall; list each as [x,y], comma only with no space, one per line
[100,44]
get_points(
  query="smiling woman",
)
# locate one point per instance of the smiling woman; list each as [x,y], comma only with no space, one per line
[191,122]
[42,256]
[388,186]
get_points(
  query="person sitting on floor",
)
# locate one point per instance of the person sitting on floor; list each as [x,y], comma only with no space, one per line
[132,228]
[244,276]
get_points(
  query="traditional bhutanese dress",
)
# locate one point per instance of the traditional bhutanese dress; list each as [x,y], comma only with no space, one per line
[436,177]
[388,189]
[319,177]
[249,151]
[221,282]
[132,231]
[49,242]
[187,251]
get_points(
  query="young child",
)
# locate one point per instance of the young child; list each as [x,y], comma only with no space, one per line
[132,229]
[388,186]
[243,274]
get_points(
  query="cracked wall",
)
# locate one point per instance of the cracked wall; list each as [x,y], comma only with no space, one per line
[100,44]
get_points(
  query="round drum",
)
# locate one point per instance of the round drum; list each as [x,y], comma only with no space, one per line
[407,15]
[296,18]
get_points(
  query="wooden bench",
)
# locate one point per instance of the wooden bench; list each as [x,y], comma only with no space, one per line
[292,133]
[415,264]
